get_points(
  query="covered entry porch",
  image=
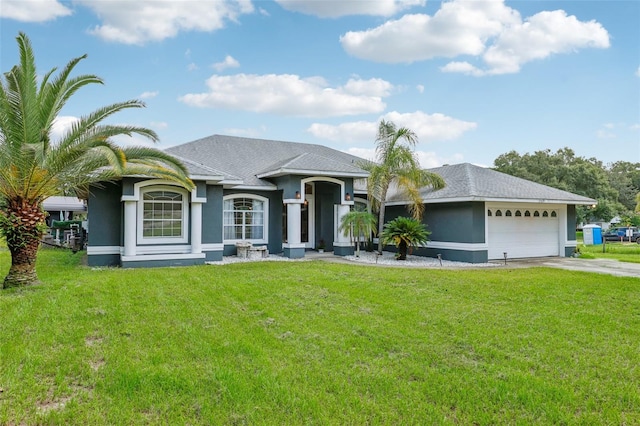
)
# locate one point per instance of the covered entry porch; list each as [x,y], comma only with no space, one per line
[311,218]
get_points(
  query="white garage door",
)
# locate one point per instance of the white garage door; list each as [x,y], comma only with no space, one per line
[522,232]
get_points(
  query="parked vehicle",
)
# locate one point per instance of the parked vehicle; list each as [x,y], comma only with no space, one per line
[620,234]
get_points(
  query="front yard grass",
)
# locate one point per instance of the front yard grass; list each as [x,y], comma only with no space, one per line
[624,252]
[317,343]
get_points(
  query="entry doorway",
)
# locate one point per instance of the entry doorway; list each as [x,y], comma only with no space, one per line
[307,217]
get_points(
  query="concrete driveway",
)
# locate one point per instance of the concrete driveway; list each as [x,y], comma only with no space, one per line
[601,266]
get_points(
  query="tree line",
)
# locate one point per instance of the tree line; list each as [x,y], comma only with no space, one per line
[616,186]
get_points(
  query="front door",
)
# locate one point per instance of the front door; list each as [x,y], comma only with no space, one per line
[307,219]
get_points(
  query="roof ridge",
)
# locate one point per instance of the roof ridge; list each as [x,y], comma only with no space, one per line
[205,167]
[288,161]
[470,181]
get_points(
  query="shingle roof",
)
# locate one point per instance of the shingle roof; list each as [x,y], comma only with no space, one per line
[196,169]
[246,158]
[466,182]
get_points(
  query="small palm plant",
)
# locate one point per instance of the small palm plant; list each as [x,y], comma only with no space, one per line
[359,225]
[405,233]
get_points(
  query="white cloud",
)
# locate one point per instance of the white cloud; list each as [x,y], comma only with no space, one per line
[60,125]
[603,134]
[427,159]
[638,72]
[371,87]
[140,21]
[488,30]
[149,95]
[290,95]
[33,10]
[634,127]
[134,140]
[229,62]
[428,127]
[458,28]
[462,67]
[192,67]
[420,88]
[357,131]
[249,132]
[159,125]
[335,9]
[540,36]
[431,127]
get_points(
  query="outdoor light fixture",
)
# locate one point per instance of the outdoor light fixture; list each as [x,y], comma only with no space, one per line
[505,257]
[347,196]
[297,195]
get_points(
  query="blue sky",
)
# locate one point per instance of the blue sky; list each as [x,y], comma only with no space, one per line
[474,79]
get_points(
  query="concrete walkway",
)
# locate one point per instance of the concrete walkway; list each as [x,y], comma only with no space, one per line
[600,266]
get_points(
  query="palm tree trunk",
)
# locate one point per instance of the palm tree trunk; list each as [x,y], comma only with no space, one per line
[22,232]
[23,265]
[381,223]
[402,251]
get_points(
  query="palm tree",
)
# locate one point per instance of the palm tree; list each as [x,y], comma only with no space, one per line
[397,163]
[405,233]
[358,224]
[33,167]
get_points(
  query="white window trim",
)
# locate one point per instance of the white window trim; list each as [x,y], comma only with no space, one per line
[265,231]
[142,240]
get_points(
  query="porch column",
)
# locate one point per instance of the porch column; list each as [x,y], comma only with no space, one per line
[196,228]
[342,245]
[293,248]
[130,228]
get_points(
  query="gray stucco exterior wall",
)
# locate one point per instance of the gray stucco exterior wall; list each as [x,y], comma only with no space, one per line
[571,229]
[456,222]
[571,222]
[212,216]
[450,222]
[105,223]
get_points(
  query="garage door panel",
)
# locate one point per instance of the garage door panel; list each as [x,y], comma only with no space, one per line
[521,236]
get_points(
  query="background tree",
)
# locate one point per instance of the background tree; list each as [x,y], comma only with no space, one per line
[624,177]
[397,163]
[358,224]
[405,233]
[611,187]
[33,167]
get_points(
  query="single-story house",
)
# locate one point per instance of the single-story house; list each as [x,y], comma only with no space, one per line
[290,197]
[482,214]
[285,196]
[63,208]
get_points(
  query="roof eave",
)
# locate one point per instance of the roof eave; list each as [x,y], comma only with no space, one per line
[587,202]
[285,171]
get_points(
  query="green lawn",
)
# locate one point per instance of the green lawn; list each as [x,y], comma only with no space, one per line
[624,252]
[317,343]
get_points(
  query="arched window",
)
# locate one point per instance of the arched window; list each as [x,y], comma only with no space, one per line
[245,218]
[545,214]
[498,213]
[536,214]
[518,213]
[489,213]
[508,213]
[553,214]
[527,213]
[162,215]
